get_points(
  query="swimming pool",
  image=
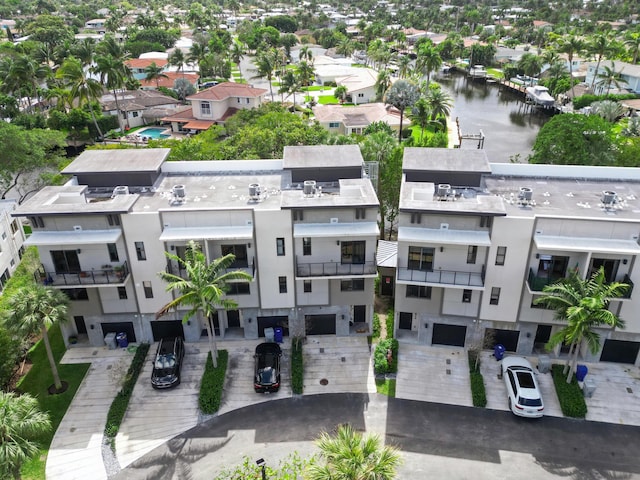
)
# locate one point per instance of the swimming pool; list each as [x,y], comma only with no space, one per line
[153,132]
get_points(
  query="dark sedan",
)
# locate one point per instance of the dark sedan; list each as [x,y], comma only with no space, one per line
[167,363]
[267,367]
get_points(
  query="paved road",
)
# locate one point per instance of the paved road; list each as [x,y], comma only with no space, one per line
[437,440]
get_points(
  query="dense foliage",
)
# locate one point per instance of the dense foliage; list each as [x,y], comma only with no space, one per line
[297,366]
[586,100]
[478,392]
[569,394]
[382,361]
[212,383]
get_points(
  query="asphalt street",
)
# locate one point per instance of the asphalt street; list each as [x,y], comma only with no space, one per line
[424,432]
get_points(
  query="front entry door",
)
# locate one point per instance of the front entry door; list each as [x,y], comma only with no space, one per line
[406,319]
[233,319]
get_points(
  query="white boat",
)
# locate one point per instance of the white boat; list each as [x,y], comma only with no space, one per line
[540,96]
[478,71]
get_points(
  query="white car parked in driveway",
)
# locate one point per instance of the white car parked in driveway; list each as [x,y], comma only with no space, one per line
[523,392]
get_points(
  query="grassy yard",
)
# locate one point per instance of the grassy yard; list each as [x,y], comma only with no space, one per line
[328,100]
[36,383]
[386,386]
[316,88]
[496,73]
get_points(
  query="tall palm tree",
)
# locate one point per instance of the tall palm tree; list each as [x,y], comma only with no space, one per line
[609,77]
[348,455]
[404,66]
[83,88]
[599,46]
[38,308]
[341,92]
[204,288]
[428,61]
[29,73]
[21,422]
[583,305]
[383,82]
[290,84]
[84,50]
[346,47]
[305,73]
[402,95]
[571,45]
[421,115]
[306,54]
[530,64]
[177,59]
[154,72]
[632,41]
[265,66]
[113,75]
[236,54]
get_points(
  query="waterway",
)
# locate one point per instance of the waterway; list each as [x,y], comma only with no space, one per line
[510,127]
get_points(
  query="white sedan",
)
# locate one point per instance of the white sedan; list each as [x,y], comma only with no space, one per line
[522,387]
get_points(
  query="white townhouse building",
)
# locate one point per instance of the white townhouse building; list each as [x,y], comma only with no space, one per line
[12,238]
[304,227]
[477,242]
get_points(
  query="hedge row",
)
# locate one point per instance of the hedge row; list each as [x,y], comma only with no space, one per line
[569,394]
[297,367]
[586,100]
[478,392]
[376,326]
[389,323]
[121,402]
[213,383]
[381,361]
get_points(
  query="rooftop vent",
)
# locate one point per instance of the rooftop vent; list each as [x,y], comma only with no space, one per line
[255,191]
[443,190]
[608,198]
[526,194]
[120,190]
[179,191]
[309,187]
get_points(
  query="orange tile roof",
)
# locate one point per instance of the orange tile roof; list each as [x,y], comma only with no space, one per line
[199,124]
[145,62]
[170,79]
[226,90]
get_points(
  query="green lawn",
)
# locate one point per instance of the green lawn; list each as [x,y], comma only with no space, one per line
[327,100]
[36,383]
[386,387]
[316,88]
[358,65]
[495,72]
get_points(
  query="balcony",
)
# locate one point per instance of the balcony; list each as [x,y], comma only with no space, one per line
[335,269]
[176,269]
[442,277]
[537,284]
[116,276]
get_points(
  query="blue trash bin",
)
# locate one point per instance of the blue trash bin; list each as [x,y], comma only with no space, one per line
[498,351]
[277,334]
[121,338]
[581,372]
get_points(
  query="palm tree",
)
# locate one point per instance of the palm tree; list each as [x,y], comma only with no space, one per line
[401,95]
[404,66]
[38,308]
[203,289]
[632,40]
[583,305]
[383,82]
[113,75]
[21,422]
[82,88]
[440,103]
[265,66]
[306,73]
[428,61]
[154,72]
[236,54]
[599,46]
[421,115]
[340,93]
[348,455]
[306,54]
[28,73]
[84,51]
[530,64]
[571,45]
[290,85]
[177,59]
[346,47]
[609,77]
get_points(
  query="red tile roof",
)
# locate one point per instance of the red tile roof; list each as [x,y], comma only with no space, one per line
[226,90]
[198,124]
[145,62]
[170,79]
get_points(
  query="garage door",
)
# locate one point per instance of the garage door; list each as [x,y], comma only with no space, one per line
[126,327]
[320,324]
[507,338]
[274,321]
[166,329]
[620,351]
[453,335]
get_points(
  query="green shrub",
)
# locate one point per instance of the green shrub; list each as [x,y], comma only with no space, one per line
[478,392]
[213,383]
[121,402]
[381,363]
[389,323]
[586,100]
[376,326]
[569,394]
[297,367]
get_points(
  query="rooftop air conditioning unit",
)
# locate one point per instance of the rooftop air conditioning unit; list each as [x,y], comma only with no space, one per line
[179,191]
[526,194]
[608,197]
[120,190]
[309,187]
[444,190]
[255,191]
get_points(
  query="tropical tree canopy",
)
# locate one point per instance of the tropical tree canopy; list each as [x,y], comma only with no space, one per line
[402,95]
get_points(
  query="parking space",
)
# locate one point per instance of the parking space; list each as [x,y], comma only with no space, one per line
[155,416]
[433,374]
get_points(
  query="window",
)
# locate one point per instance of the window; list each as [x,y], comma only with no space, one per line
[353,252]
[240,252]
[241,288]
[4,235]
[416,218]
[113,252]
[76,293]
[142,255]
[113,220]
[238,100]
[247,101]
[307,286]
[65,261]
[466,296]
[122,293]
[472,253]
[306,246]
[361,95]
[205,108]
[418,291]
[360,213]
[353,285]
[282,283]
[148,290]
[135,114]
[421,258]
[14,226]
[500,255]
[495,296]
[297,215]
[280,247]
[486,222]
[334,124]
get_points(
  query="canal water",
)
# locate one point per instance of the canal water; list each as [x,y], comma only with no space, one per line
[510,127]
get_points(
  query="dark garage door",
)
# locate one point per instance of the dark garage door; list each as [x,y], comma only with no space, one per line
[320,324]
[166,329]
[448,335]
[507,338]
[275,321]
[620,351]
[126,327]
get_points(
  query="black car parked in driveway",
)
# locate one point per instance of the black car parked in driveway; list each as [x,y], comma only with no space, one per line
[167,363]
[267,367]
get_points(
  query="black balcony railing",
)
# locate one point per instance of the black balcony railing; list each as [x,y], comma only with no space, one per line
[537,283]
[177,269]
[116,275]
[629,291]
[446,277]
[334,269]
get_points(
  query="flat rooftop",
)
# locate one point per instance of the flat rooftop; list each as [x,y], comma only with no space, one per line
[445,159]
[322,155]
[118,161]
[421,197]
